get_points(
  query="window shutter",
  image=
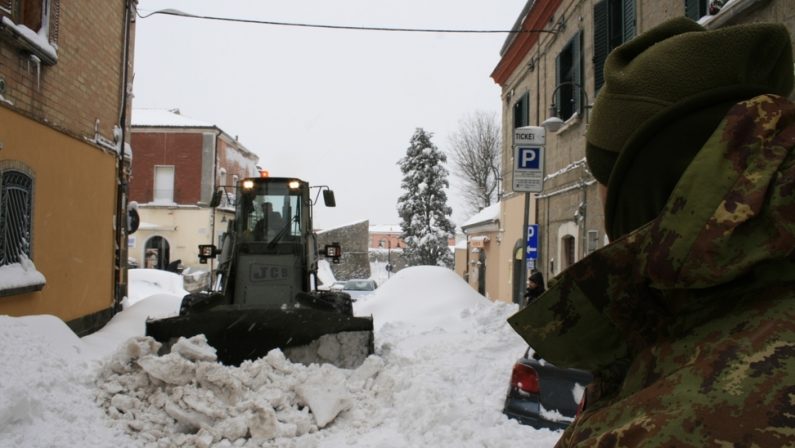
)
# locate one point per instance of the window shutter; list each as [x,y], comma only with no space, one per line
[628,19]
[30,14]
[521,112]
[558,94]
[691,9]
[164,183]
[7,8]
[578,91]
[600,43]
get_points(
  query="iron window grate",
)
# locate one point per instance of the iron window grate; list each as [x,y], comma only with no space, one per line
[15,216]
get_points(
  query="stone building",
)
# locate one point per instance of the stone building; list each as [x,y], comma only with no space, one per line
[554,68]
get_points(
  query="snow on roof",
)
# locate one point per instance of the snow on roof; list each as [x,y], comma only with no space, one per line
[488,214]
[166,118]
[386,228]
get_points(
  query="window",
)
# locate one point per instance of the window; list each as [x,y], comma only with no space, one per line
[568,251]
[164,183]
[568,97]
[222,177]
[593,241]
[271,212]
[16,215]
[614,24]
[521,112]
[696,9]
[39,16]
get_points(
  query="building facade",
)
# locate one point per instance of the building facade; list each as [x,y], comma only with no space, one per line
[179,164]
[492,256]
[554,68]
[65,70]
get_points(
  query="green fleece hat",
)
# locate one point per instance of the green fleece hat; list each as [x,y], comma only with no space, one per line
[678,69]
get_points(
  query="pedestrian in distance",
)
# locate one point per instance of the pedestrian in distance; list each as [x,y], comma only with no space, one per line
[535,286]
[687,318]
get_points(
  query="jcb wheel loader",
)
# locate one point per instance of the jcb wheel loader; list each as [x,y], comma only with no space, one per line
[265,294]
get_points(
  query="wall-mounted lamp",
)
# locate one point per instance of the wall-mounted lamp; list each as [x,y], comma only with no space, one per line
[554,123]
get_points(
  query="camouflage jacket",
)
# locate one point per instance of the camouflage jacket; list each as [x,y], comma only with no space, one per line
[688,323]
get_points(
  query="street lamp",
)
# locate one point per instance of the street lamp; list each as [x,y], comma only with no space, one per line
[554,123]
[388,255]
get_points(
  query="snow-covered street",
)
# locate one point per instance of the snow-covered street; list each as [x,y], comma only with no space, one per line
[438,379]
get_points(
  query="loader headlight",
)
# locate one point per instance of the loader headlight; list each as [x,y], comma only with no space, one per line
[248,184]
[294,184]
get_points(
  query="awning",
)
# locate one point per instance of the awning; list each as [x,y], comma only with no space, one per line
[478,241]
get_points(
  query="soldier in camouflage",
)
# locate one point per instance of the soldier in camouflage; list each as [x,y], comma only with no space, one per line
[686,319]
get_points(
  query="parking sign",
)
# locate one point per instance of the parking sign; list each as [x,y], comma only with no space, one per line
[532,242]
[528,167]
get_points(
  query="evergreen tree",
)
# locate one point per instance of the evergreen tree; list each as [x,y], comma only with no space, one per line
[423,207]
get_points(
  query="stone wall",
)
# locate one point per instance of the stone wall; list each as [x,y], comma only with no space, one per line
[354,239]
[394,257]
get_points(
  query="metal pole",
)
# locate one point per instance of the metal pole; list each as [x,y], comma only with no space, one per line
[524,247]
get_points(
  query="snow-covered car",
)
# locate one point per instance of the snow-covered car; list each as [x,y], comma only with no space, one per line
[337,286]
[543,395]
[359,287]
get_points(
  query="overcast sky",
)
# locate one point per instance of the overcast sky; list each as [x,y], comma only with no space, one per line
[332,107]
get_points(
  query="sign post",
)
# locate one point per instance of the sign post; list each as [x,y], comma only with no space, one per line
[528,176]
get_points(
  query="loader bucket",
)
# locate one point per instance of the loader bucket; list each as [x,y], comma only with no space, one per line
[240,332]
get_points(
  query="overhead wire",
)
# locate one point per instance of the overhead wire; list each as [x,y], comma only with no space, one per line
[178,13]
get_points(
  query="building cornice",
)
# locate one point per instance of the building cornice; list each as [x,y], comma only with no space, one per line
[538,18]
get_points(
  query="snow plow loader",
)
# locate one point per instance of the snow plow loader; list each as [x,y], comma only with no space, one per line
[265,293]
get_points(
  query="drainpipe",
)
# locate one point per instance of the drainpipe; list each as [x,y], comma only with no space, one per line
[120,268]
[212,209]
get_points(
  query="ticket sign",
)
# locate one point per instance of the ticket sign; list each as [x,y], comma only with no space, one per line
[529,135]
[528,167]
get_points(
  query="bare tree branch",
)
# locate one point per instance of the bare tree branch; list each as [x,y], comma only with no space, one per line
[475,153]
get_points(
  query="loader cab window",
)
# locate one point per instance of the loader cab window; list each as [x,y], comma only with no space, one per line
[272,213]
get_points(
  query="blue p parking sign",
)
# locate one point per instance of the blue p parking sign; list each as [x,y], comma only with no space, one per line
[532,242]
[529,158]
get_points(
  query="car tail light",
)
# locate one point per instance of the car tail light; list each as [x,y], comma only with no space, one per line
[524,378]
[581,406]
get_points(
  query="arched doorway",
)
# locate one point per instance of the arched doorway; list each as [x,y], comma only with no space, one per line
[519,284]
[156,253]
[482,272]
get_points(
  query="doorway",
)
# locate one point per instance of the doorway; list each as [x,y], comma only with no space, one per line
[156,253]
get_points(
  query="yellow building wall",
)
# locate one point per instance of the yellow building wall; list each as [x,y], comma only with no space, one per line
[499,250]
[183,227]
[74,194]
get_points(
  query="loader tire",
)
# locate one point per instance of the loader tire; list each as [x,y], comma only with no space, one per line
[343,303]
[328,300]
[198,302]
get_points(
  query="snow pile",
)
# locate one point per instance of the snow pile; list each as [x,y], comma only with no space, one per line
[148,282]
[421,297]
[19,275]
[47,388]
[438,379]
[185,398]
